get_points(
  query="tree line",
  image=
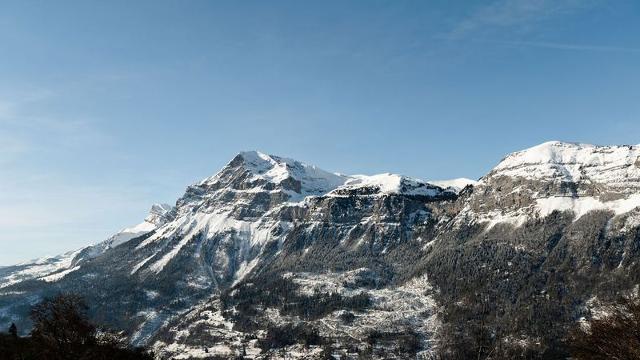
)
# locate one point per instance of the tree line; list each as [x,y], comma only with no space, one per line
[62,331]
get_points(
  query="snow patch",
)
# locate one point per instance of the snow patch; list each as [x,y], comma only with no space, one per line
[244,270]
[582,205]
[59,275]
[383,184]
[455,184]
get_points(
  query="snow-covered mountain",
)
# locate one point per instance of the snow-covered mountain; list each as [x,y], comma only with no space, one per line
[557,176]
[56,267]
[612,166]
[383,266]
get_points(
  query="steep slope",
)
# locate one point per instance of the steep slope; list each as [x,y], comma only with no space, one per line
[226,221]
[545,231]
[261,215]
[56,267]
[368,231]
[558,176]
[271,253]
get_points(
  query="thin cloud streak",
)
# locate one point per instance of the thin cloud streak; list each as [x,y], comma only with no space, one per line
[514,13]
[564,46]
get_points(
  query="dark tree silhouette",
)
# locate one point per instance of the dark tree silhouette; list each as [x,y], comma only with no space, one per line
[61,323]
[62,331]
[13,330]
[614,335]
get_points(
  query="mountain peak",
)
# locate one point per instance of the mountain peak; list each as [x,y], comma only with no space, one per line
[255,160]
[573,162]
[260,171]
[159,214]
[548,152]
[558,152]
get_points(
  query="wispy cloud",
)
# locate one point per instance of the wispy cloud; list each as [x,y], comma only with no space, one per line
[514,13]
[565,46]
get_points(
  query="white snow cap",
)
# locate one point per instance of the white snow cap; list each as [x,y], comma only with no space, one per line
[390,184]
[275,169]
[455,184]
[316,181]
[574,162]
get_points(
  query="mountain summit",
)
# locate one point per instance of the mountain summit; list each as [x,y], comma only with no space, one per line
[271,253]
[256,170]
[616,166]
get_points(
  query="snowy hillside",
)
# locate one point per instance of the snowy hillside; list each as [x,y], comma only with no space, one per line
[54,268]
[382,266]
[614,166]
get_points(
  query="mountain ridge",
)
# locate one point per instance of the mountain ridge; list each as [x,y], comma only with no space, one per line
[243,248]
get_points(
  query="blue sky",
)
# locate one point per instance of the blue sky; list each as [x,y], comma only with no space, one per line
[109,106]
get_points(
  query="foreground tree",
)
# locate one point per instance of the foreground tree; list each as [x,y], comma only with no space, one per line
[613,335]
[62,331]
[61,324]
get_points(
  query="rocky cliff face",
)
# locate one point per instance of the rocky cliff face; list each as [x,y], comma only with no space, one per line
[271,254]
[548,229]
